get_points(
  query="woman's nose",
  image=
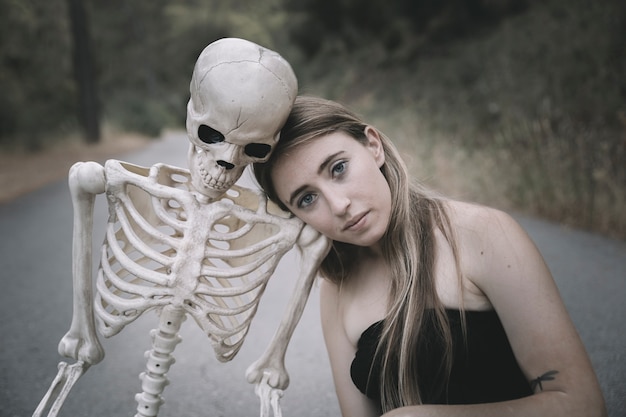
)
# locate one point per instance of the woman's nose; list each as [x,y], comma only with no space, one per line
[339,202]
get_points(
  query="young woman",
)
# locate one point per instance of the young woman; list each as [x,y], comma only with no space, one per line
[430,307]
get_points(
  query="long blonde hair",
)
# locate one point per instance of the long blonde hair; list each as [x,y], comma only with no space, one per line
[408,247]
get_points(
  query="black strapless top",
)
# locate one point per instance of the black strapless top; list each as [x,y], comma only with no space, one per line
[485,370]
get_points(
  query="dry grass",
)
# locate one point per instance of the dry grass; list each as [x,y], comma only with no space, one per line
[571,176]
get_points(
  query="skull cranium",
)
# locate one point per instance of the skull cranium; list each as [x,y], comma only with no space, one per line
[241,95]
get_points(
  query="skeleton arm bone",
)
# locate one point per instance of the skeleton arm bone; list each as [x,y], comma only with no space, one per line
[86,179]
[314,248]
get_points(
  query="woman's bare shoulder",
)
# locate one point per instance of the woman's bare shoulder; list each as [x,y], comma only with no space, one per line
[464,214]
[471,222]
[482,234]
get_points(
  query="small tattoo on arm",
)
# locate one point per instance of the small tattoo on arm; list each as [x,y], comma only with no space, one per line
[536,383]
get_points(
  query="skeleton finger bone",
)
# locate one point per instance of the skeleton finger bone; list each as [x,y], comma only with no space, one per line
[269,397]
[60,388]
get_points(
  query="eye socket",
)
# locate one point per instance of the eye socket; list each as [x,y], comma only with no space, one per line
[209,135]
[257,150]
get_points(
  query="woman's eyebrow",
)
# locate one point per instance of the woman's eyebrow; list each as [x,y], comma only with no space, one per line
[321,168]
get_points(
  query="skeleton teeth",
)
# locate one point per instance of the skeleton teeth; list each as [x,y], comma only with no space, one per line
[220,183]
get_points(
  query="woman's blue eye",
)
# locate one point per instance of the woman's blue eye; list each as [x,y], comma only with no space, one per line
[306,200]
[339,168]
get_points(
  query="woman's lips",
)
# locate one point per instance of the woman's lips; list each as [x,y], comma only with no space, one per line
[356,222]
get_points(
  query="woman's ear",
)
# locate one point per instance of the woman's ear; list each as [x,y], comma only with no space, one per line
[375,145]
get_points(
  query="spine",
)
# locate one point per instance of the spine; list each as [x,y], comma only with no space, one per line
[154,379]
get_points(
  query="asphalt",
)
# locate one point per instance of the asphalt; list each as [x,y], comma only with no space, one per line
[35,311]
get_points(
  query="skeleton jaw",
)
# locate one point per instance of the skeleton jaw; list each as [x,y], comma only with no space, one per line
[217,180]
[208,177]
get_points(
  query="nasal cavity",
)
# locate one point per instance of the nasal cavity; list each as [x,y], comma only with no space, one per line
[225,165]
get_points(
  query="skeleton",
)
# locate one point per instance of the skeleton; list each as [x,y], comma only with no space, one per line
[192,242]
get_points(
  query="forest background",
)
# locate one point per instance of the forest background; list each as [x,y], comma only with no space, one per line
[518,104]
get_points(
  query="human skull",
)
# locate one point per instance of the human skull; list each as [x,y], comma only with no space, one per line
[241,95]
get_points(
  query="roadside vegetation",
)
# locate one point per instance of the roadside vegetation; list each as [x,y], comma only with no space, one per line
[513,103]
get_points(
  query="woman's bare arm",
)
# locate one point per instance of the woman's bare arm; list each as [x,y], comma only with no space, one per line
[499,257]
[341,353]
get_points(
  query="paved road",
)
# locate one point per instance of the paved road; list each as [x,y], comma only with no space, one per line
[35,307]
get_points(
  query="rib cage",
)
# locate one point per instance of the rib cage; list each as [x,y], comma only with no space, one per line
[164,247]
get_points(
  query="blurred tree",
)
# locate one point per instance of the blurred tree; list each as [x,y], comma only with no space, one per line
[406,25]
[35,73]
[146,52]
[141,55]
[84,74]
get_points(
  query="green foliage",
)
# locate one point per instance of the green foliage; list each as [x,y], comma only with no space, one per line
[133,113]
[35,70]
[144,52]
[404,28]
[145,69]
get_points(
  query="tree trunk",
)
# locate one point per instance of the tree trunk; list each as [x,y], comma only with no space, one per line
[84,74]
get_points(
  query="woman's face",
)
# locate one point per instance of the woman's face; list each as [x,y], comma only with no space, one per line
[334,184]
